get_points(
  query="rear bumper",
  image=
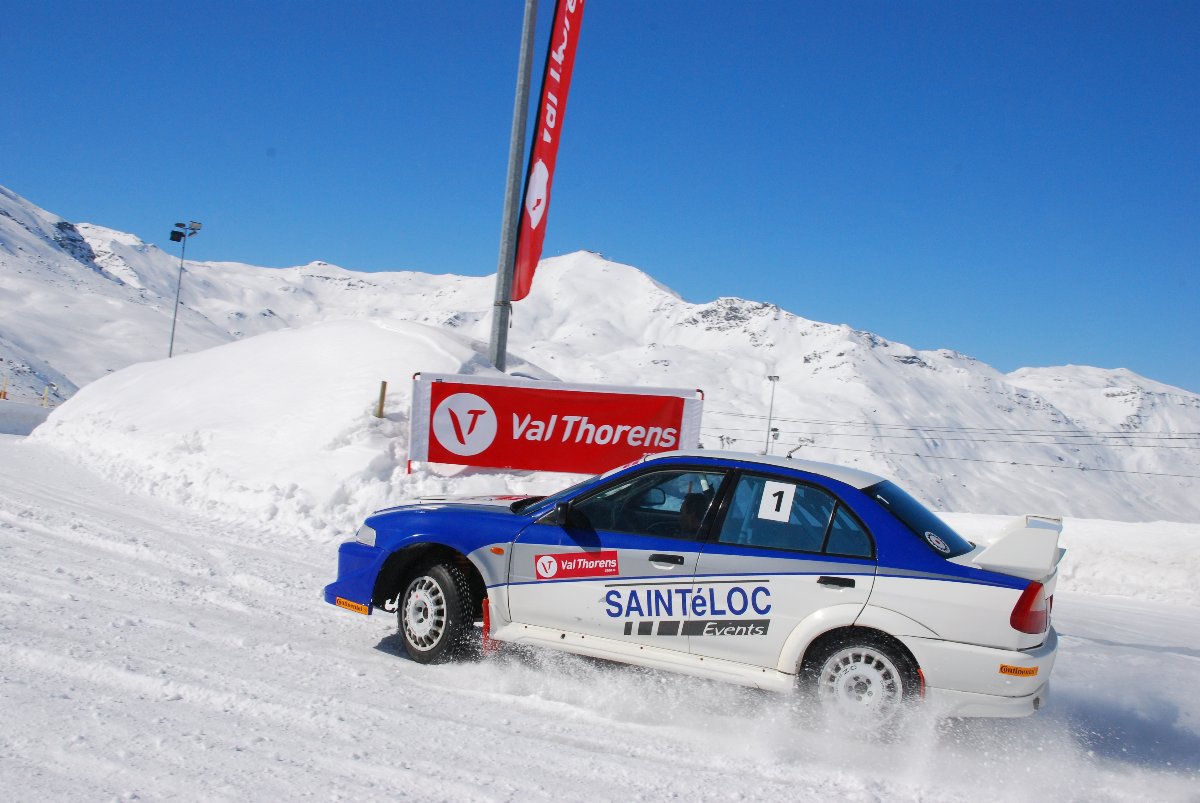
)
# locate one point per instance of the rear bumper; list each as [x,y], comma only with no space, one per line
[358,566]
[952,703]
[973,681]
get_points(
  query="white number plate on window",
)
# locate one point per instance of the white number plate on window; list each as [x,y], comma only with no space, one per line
[776,504]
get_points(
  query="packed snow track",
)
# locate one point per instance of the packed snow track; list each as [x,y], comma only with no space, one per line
[155,653]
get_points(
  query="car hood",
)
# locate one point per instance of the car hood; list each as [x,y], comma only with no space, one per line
[428,503]
[498,499]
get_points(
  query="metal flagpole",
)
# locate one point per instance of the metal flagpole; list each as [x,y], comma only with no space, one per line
[502,309]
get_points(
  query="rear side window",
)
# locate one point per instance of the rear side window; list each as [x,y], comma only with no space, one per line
[848,537]
[933,532]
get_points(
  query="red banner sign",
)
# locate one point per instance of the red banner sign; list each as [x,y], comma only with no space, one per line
[546,426]
[552,109]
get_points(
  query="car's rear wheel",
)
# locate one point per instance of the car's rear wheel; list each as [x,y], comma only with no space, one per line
[862,679]
[435,613]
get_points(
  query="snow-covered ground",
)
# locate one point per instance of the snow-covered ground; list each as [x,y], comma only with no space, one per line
[152,652]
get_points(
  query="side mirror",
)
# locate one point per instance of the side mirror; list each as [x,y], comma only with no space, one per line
[559,516]
[654,497]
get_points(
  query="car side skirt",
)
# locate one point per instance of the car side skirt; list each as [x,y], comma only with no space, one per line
[646,655]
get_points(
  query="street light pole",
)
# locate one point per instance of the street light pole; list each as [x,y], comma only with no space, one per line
[180,234]
[770,412]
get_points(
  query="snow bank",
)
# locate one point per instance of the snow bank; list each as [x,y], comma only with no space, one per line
[1153,561]
[278,429]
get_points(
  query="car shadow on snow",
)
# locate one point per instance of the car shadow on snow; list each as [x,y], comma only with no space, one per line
[393,645]
[1150,736]
[1185,652]
[580,674]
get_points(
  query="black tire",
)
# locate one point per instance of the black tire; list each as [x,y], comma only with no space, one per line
[864,679]
[435,614]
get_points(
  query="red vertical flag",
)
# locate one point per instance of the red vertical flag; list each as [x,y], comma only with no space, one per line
[552,108]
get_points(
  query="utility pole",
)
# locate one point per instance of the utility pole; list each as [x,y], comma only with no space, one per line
[502,309]
[180,234]
[770,412]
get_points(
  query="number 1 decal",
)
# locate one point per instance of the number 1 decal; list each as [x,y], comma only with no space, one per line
[776,504]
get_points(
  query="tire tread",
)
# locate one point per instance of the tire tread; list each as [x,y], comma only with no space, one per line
[456,642]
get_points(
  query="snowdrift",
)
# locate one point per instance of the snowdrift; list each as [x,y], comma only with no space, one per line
[278,430]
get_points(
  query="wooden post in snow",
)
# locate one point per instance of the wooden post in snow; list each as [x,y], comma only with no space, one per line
[382,396]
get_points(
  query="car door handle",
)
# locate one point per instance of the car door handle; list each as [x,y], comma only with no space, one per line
[661,558]
[836,582]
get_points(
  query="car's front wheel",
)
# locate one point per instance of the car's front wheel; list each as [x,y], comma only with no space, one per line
[862,679]
[435,613]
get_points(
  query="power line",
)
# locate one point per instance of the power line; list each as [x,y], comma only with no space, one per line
[952,428]
[1004,462]
[1095,441]
[1014,463]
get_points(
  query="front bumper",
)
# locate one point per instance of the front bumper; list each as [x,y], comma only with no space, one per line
[358,567]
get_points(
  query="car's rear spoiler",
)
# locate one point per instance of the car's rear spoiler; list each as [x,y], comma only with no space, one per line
[1027,548]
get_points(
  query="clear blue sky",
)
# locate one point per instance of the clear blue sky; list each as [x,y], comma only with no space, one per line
[1016,180]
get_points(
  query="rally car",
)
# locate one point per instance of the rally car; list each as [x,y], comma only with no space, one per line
[768,572]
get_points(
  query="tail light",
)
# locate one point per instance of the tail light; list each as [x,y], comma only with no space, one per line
[1031,614]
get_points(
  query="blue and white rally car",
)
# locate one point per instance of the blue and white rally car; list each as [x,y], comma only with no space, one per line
[762,571]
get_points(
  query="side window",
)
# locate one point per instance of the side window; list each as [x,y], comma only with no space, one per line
[664,503]
[784,515]
[777,514]
[848,537]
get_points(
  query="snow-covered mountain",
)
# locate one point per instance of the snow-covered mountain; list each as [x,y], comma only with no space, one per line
[79,301]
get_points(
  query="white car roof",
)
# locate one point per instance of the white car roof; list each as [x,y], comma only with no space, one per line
[851,476]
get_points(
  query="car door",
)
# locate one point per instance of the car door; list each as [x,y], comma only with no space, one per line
[621,566]
[784,549]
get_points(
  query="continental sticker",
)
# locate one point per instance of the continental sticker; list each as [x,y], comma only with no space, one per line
[357,607]
[1018,671]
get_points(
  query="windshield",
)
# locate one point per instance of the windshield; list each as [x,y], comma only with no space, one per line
[522,504]
[934,532]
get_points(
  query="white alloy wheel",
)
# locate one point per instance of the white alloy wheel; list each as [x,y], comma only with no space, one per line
[861,682]
[424,613]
